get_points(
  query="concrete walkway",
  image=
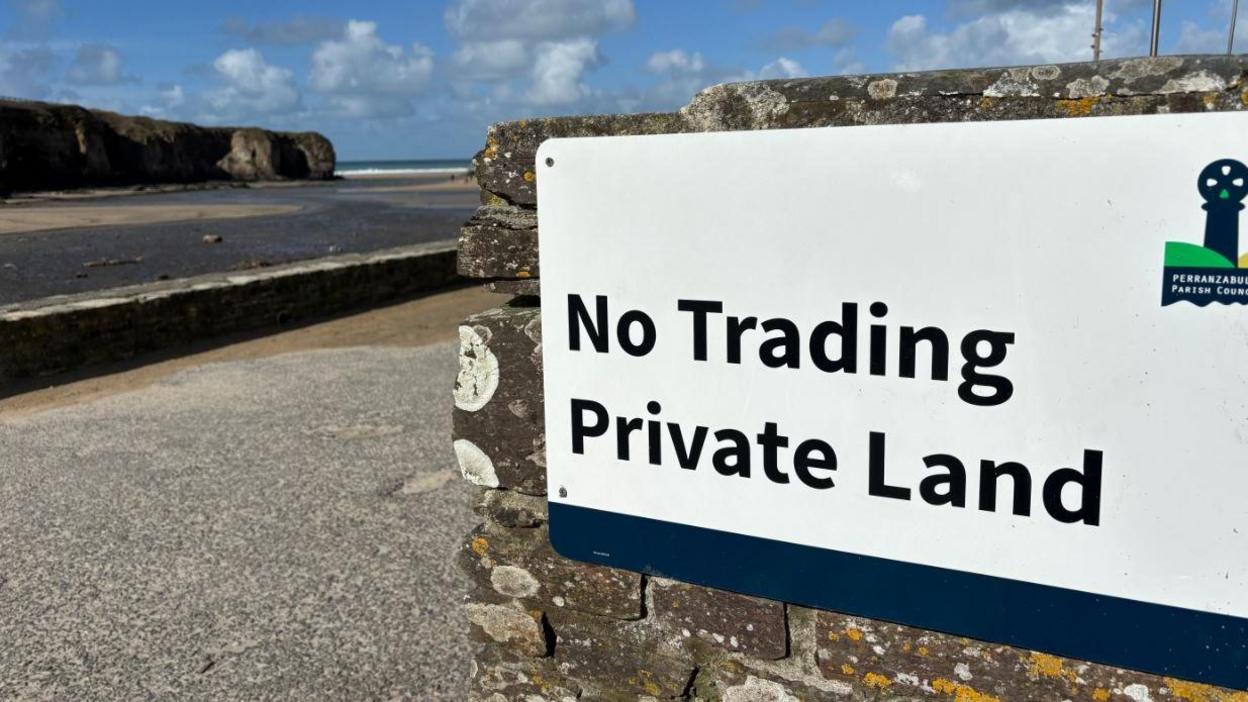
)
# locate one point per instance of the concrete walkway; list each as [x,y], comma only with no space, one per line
[272,528]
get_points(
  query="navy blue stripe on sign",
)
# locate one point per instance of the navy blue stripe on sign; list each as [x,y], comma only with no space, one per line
[1182,643]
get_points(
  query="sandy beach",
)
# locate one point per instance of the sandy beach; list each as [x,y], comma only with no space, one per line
[92,207]
[69,242]
[39,218]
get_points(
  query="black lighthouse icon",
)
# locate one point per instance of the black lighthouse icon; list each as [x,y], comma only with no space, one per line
[1223,184]
[1215,272]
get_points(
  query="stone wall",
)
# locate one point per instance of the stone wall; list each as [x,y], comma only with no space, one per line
[554,629]
[45,147]
[62,333]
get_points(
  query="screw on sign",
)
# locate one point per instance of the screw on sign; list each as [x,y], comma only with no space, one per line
[1223,184]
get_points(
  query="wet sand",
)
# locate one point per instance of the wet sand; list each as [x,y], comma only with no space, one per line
[64,243]
[18,220]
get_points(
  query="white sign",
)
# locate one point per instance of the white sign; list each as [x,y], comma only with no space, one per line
[939,345]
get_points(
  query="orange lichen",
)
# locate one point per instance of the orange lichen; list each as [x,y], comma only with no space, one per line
[1196,692]
[1100,694]
[853,634]
[480,546]
[1243,98]
[645,680]
[923,650]
[833,636]
[960,692]
[538,680]
[523,274]
[529,176]
[1042,665]
[906,647]
[1046,665]
[1081,107]
[847,669]
[876,680]
[648,683]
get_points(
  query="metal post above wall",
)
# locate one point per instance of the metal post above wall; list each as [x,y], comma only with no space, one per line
[1097,30]
[1230,38]
[1152,46]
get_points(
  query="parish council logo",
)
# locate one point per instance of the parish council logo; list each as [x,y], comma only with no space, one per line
[1215,272]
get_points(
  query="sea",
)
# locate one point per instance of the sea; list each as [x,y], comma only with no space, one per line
[404,167]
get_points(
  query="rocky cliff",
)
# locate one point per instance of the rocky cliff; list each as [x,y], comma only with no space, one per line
[45,146]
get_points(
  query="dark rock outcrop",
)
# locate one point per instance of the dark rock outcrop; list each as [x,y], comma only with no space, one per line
[45,147]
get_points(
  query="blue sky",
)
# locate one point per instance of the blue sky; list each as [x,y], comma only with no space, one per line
[423,79]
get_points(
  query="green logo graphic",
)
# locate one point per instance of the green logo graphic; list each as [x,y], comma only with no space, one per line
[1214,272]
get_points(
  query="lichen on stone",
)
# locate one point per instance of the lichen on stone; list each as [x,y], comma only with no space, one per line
[478,369]
[474,465]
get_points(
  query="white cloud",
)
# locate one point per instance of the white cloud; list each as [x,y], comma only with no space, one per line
[34,19]
[835,32]
[169,96]
[1194,39]
[1023,34]
[26,69]
[372,106]
[533,53]
[251,86]
[675,61]
[845,63]
[491,60]
[300,29]
[685,73]
[984,7]
[25,73]
[1209,34]
[490,20]
[558,70]
[782,68]
[97,64]
[364,76]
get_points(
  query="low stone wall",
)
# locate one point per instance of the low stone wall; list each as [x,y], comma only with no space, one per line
[554,629]
[63,333]
[46,147]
